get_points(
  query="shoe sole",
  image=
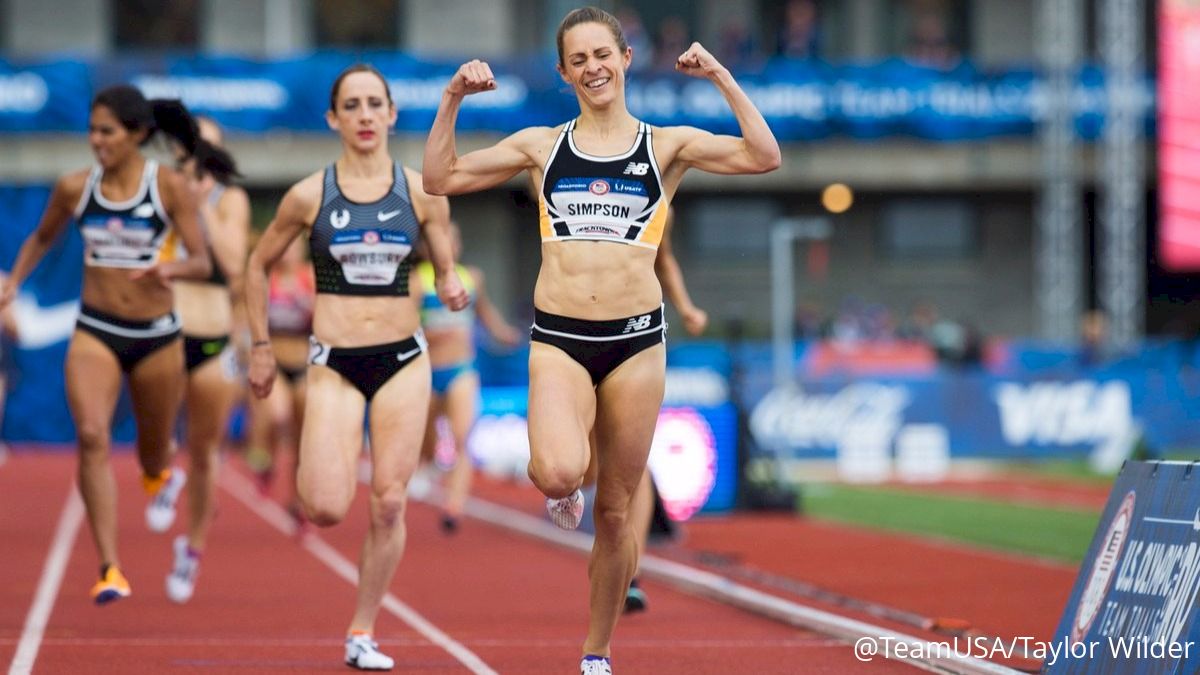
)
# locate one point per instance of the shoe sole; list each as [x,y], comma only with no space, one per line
[355,666]
[108,595]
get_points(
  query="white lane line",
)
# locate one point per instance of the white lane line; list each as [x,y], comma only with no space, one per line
[242,490]
[48,585]
[699,582]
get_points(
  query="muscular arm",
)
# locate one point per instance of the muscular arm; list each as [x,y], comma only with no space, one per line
[59,211]
[433,213]
[297,210]
[229,230]
[181,207]
[756,151]
[448,174]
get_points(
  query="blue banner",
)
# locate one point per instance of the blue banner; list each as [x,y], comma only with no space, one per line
[1024,416]
[1134,607]
[802,100]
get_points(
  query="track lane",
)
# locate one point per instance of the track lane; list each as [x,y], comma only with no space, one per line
[264,604]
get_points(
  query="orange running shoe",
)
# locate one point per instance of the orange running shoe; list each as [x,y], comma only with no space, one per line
[112,586]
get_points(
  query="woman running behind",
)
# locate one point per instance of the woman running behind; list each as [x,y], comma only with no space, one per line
[455,380]
[125,206]
[206,310]
[598,354]
[363,215]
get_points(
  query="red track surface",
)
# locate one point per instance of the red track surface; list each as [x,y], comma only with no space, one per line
[266,604]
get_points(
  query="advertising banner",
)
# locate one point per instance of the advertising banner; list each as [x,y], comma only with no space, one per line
[1134,607]
[801,99]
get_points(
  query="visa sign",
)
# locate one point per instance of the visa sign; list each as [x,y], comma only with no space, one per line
[1064,413]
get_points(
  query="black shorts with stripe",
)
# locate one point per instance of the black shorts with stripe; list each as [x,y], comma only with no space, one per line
[600,346]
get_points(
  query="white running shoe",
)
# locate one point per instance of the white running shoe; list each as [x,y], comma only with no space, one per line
[160,512]
[181,582]
[566,512]
[363,653]
[595,665]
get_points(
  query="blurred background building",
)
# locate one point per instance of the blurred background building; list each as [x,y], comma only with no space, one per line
[944,217]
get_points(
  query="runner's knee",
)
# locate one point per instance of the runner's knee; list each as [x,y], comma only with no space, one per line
[556,477]
[93,437]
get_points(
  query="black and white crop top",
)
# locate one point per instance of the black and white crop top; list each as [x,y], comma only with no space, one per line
[127,234]
[363,249]
[617,198]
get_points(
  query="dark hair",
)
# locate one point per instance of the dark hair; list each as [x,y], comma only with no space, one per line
[357,68]
[170,117]
[590,15]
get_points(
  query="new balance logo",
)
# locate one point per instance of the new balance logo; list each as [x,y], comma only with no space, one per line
[636,169]
[637,323]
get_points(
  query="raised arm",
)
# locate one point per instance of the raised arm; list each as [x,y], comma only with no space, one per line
[493,322]
[756,151]
[296,211]
[448,174]
[695,320]
[59,211]
[433,213]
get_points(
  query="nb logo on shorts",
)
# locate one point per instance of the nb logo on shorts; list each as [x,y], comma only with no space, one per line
[637,323]
[636,169]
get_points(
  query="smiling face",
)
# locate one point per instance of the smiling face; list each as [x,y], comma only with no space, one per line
[594,64]
[112,144]
[362,113]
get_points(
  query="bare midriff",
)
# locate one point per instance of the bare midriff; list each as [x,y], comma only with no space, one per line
[114,291]
[361,321]
[596,280]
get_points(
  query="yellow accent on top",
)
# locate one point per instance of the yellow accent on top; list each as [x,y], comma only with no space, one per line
[544,217]
[653,233]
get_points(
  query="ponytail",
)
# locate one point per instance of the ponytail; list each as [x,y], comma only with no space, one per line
[174,120]
[215,160]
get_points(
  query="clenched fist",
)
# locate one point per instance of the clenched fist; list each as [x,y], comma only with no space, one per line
[697,62]
[472,77]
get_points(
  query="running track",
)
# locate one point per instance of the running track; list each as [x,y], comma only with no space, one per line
[485,600]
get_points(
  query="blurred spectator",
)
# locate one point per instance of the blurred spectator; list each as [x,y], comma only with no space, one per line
[671,41]
[920,322]
[809,320]
[928,44]
[736,47]
[637,37]
[1093,338]
[799,33]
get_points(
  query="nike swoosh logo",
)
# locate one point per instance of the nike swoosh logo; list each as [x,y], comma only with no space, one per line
[409,354]
[383,217]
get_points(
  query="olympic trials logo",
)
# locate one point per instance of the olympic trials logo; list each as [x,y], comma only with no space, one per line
[1103,569]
